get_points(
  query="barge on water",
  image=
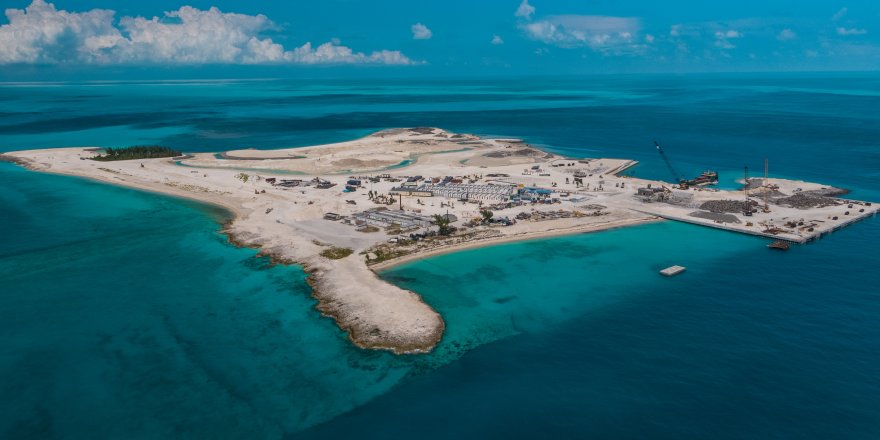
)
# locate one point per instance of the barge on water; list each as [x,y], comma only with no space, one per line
[672,271]
[779,245]
[705,178]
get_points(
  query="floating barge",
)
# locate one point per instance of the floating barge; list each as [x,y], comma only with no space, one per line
[672,271]
[779,245]
[705,178]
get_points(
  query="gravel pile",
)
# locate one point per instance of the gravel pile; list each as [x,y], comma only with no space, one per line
[678,199]
[716,216]
[807,200]
[754,184]
[523,152]
[827,192]
[725,205]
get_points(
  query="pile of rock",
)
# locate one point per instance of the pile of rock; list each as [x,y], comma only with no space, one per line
[807,200]
[523,152]
[717,217]
[727,205]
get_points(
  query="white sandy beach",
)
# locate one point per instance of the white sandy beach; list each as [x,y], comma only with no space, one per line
[287,222]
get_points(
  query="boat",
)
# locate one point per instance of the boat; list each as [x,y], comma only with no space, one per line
[705,178]
[779,245]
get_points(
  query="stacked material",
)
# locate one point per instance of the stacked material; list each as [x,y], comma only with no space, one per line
[716,216]
[726,205]
[807,200]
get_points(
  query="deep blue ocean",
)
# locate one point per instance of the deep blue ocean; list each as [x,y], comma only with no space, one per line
[128,315]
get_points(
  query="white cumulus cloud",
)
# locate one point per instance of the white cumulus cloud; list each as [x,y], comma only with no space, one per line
[840,14]
[600,33]
[421,32]
[722,38]
[496,40]
[42,34]
[727,34]
[525,10]
[851,31]
[786,35]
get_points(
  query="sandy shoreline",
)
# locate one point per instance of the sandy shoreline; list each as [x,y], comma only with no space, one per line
[586,229]
[324,197]
[236,213]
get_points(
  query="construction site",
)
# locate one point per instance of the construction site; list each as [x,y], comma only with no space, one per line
[792,211]
[557,189]
[345,210]
[400,181]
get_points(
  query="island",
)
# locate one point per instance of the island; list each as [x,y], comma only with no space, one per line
[348,210]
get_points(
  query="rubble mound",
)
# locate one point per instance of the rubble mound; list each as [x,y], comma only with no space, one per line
[523,152]
[808,199]
[716,216]
[726,205]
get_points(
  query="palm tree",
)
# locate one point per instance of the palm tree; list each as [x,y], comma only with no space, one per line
[442,223]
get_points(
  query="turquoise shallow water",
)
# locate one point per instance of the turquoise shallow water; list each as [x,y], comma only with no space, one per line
[747,343]
[125,314]
[525,287]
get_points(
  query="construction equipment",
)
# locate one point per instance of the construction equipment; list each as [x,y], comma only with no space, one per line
[705,178]
[678,177]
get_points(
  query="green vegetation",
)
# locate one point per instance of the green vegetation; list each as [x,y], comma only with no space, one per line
[336,253]
[442,223]
[137,152]
[487,216]
[385,253]
[243,177]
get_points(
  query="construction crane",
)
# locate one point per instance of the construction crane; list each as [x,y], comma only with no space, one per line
[678,177]
[705,178]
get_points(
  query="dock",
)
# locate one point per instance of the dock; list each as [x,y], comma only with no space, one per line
[672,271]
[824,225]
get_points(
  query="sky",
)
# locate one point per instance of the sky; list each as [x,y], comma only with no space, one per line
[39,38]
